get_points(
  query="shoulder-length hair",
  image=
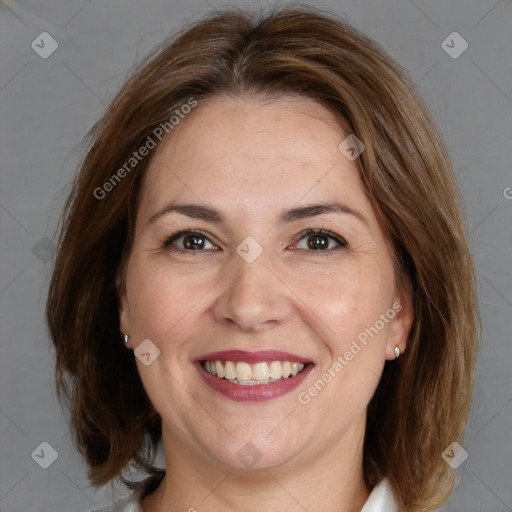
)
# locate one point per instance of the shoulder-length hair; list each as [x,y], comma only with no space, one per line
[423,399]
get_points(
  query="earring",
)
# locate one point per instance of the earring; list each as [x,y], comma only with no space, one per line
[126,339]
[397,352]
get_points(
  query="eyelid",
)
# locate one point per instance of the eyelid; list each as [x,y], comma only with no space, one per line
[337,238]
[342,243]
[184,232]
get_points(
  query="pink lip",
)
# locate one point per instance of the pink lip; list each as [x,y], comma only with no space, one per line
[252,357]
[256,393]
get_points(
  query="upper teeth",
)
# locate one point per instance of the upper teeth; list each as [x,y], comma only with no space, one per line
[258,373]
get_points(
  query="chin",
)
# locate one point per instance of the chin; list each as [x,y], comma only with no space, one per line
[245,454]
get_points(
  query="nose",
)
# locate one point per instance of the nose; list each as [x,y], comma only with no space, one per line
[253,297]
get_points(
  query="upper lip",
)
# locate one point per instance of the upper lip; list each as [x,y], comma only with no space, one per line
[252,357]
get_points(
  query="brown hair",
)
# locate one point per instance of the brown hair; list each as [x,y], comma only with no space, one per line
[423,399]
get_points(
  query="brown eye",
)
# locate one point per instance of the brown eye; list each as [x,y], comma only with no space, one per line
[320,240]
[188,241]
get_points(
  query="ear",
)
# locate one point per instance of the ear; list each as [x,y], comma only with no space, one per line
[124,316]
[400,326]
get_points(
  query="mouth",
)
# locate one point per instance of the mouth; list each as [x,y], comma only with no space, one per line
[245,374]
[253,376]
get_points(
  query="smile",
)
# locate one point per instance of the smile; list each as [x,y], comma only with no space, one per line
[243,376]
[243,373]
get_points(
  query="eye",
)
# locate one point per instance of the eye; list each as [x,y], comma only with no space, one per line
[191,240]
[320,240]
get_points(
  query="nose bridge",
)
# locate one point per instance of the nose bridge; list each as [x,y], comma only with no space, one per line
[251,274]
[252,296]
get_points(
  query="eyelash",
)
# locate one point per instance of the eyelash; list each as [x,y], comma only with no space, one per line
[308,232]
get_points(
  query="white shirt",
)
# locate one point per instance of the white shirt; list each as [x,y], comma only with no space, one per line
[380,500]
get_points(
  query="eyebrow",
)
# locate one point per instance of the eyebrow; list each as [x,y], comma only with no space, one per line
[207,213]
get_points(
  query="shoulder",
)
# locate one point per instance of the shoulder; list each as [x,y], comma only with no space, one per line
[132,501]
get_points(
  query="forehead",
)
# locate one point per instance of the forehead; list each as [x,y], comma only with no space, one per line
[249,153]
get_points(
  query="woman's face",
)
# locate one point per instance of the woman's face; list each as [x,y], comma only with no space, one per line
[257,287]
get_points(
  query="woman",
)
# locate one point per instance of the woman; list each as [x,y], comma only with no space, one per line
[267,220]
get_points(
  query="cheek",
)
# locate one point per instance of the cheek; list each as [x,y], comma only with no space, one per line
[160,301]
[347,300]
[346,315]
[153,315]
[162,310]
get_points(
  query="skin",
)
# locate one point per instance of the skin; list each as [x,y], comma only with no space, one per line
[251,160]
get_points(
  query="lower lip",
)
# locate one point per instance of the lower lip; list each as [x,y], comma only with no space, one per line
[256,392]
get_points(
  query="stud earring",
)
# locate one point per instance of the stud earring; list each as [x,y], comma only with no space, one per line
[397,352]
[126,339]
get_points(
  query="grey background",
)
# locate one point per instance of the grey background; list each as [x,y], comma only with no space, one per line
[47,106]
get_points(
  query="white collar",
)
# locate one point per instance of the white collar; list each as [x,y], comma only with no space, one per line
[381,499]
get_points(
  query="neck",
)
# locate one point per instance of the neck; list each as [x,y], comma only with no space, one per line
[331,480]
